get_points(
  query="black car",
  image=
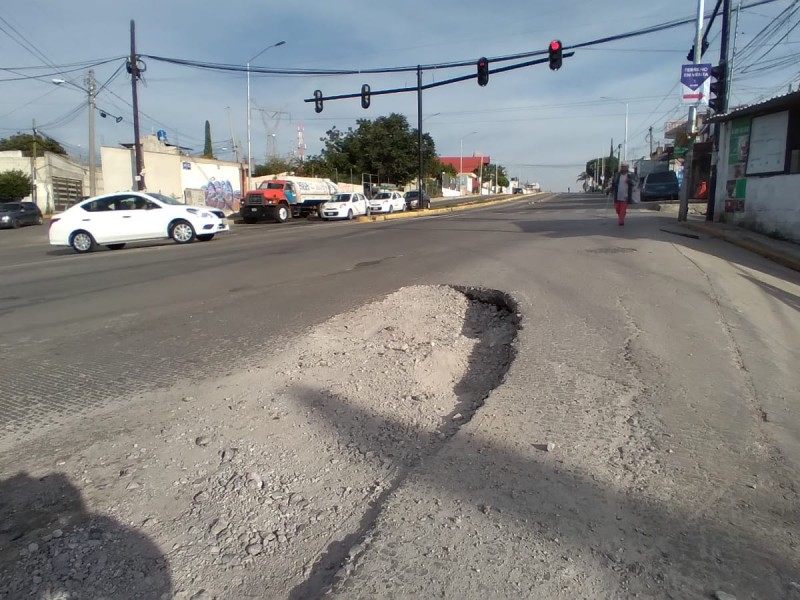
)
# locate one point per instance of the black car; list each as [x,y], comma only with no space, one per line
[412,199]
[17,214]
[663,185]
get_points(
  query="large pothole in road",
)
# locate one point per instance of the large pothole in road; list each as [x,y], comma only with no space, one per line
[263,484]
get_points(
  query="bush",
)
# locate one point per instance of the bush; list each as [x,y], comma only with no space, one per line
[14,185]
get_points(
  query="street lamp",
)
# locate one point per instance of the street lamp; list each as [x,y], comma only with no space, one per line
[249,148]
[461,161]
[625,147]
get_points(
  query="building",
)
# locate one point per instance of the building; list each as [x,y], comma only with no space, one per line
[194,180]
[758,172]
[465,166]
[59,180]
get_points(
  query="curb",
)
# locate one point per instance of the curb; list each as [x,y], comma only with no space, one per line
[750,245]
[441,211]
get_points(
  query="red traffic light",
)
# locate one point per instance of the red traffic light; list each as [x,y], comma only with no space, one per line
[555,46]
[554,52]
[483,71]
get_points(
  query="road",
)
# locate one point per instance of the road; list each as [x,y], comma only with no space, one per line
[686,346]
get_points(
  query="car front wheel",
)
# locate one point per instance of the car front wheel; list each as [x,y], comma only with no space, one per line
[82,242]
[182,232]
[350,215]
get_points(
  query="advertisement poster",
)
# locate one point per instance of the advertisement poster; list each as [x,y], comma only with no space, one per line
[736,183]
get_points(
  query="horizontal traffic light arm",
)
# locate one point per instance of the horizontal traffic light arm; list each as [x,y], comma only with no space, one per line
[436,84]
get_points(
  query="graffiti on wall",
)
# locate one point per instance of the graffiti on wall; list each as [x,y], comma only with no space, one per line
[220,194]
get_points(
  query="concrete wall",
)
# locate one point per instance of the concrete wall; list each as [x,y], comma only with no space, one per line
[773,205]
[220,182]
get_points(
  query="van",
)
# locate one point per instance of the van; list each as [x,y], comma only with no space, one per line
[661,186]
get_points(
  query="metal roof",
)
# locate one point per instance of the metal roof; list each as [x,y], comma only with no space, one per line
[786,100]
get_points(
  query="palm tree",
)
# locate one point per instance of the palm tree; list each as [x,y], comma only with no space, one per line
[588,181]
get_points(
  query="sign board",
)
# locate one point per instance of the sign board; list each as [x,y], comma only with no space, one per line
[695,83]
[738,151]
[768,144]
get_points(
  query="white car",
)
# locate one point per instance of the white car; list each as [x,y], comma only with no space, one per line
[387,202]
[117,219]
[345,205]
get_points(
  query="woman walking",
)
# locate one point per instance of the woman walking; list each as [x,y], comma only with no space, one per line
[623,192]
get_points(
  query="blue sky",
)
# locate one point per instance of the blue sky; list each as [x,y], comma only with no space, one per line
[541,125]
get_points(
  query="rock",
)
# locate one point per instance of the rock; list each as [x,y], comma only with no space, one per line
[720,595]
[253,549]
[202,440]
[551,446]
[132,486]
[57,533]
[201,595]
[188,399]
[254,480]
[200,496]
[228,454]
[217,528]
[458,417]
[33,547]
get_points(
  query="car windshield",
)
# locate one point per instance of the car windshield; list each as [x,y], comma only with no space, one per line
[270,185]
[9,207]
[340,198]
[383,196]
[412,194]
[665,177]
[165,199]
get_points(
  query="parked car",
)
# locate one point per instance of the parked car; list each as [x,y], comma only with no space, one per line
[345,205]
[116,219]
[17,214]
[662,185]
[412,199]
[387,202]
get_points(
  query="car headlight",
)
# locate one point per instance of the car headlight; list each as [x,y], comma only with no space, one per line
[6,218]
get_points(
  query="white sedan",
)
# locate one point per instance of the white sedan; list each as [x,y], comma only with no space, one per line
[117,219]
[387,202]
[345,205]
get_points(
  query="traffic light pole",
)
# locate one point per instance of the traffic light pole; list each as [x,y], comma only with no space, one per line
[683,211]
[723,63]
[419,138]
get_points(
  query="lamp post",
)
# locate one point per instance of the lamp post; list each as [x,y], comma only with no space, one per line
[625,147]
[249,147]
[461,162]
[91,91]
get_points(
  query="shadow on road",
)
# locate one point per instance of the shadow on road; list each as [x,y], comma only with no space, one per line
[51,546]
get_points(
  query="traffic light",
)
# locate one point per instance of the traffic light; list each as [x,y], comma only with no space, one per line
[555,51]
[318,101]
[365,96]
[704,46]
[483,71]
[718,101]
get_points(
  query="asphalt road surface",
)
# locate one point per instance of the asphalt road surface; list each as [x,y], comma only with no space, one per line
[694,342]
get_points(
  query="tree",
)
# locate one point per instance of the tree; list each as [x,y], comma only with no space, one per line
[208,152]
[489,174]
[386,147]
[25,142]
[14,185]
[611,167]
[276,165]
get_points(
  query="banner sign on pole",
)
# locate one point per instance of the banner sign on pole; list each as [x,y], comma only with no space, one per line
[695,83]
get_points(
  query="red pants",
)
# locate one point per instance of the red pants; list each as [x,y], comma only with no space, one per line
[622,208]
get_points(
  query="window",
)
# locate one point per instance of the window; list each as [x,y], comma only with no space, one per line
[100,205]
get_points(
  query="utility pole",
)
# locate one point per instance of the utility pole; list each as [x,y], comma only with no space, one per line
[650,137]
[496,171]
[91,88]
[419,138]
[683,210]
[137,143]
[33,164]
[724,51]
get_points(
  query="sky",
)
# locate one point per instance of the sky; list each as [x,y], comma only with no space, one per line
[541,125]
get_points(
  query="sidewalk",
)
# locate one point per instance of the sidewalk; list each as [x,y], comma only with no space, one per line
[783,253]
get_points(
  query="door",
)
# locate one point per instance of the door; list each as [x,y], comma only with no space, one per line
[143,218]
[102,219]
[361,204]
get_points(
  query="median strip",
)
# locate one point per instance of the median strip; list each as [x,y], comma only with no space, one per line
[443,210]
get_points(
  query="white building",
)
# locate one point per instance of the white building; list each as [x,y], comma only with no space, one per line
[195,180]
[758,171]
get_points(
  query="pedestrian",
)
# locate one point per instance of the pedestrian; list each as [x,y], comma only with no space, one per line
[623,192]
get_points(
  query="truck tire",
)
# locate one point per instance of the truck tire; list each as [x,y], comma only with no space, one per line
[282,213]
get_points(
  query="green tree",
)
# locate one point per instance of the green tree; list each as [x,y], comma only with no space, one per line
[386,147]
[611,167]
[14,185]
[25,143]
[489,174]
[276,165]
[208,151]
